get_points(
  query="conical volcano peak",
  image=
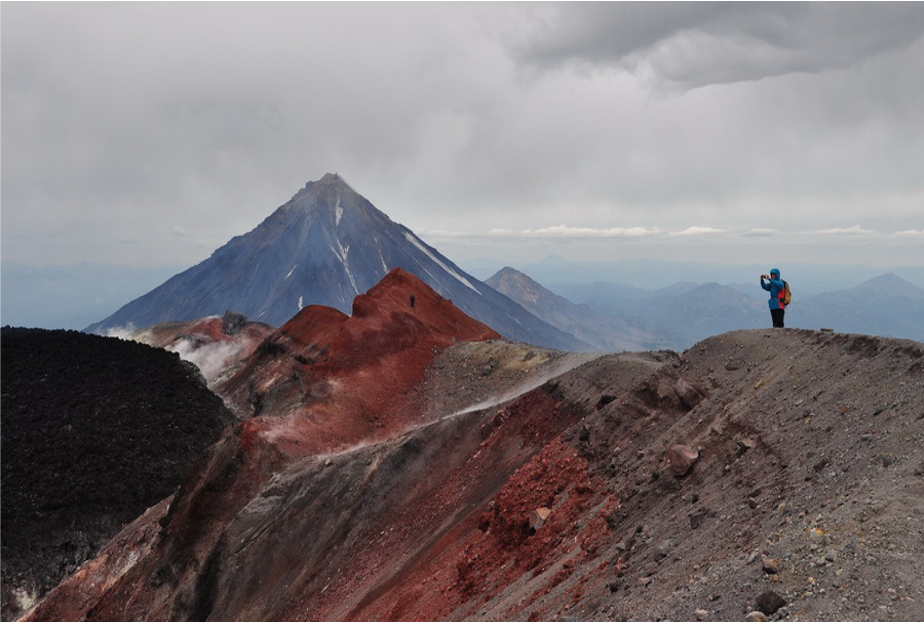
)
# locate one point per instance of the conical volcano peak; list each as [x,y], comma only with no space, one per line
[330,182]
[324,246]
[331,198]
[329,190]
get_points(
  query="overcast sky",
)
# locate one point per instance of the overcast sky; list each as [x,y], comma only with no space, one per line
[152,133]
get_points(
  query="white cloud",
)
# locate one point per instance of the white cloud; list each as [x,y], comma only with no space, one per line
[564,231]
[758,232]
[693,231]
[855,230]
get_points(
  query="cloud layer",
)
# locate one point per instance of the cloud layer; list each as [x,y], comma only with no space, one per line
[147,133]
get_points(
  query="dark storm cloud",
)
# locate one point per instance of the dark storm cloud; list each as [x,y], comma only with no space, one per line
[689,45]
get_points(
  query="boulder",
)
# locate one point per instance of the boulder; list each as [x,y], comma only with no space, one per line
[682,458]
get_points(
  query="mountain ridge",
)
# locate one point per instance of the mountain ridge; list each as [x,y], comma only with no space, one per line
[605,332]
[635,486]
[403,463]
[380,352]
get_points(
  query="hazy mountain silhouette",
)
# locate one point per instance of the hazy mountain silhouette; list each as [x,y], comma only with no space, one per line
[606,332]
[886,305]
[686,312]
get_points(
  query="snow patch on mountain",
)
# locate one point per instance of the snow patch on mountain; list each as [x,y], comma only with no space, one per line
[420,246]
[343,254]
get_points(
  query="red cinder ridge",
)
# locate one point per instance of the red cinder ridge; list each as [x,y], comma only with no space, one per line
[332,502]
[325,380]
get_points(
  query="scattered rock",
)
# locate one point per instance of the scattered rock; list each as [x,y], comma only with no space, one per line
[232,323]
[770,602]
[682,458]
[744,445]
[770,565]
[697,518]
[538,517]
[687,393]
[702,614]
[756,616]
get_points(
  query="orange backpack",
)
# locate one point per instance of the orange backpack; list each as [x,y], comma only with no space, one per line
[785,295]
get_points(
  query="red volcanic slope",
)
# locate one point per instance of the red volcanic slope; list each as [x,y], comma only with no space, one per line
[325,380]
[401,530]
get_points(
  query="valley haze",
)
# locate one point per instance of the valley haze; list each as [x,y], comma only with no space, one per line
[75,296]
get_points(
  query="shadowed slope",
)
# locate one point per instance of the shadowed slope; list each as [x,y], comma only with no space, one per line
[95,430]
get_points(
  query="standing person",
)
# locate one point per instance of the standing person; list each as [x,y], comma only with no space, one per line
[775,285]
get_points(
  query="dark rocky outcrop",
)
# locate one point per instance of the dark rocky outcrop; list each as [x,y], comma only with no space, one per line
[95,430]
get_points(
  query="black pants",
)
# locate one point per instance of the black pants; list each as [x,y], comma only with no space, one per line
[777,315]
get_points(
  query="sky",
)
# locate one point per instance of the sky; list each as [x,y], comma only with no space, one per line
[144,134]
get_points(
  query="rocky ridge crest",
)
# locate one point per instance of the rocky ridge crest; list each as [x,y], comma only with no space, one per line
[759,470]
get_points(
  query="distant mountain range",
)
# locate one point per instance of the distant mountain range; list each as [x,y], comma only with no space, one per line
[613,316]
[886,305]
[607,332]
[324,247]
[328,244]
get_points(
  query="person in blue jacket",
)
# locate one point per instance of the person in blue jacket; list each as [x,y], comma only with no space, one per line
[774,284]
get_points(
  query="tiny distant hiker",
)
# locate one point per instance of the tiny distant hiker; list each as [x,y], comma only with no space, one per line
[777,288]
[413,300]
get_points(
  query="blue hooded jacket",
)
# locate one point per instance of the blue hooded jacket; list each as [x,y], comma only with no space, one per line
[774,286]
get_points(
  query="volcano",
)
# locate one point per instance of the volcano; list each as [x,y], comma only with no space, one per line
[325,246]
